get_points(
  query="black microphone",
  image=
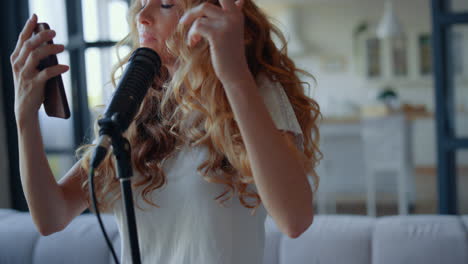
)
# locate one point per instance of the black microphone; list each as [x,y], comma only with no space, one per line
[144,65]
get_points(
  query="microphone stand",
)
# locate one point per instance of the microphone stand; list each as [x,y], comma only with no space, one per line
[122,152]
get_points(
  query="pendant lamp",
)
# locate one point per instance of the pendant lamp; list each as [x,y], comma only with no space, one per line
[389,26]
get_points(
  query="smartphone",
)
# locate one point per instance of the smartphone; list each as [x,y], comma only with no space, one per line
[55,99]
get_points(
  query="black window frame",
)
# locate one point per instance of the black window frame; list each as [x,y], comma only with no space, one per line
[13,16]
[443,18]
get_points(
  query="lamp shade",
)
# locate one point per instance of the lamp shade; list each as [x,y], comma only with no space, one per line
[389,26]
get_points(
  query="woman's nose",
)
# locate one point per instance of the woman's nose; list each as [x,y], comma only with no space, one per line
[145,17]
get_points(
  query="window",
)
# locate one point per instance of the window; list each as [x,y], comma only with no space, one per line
[88,29]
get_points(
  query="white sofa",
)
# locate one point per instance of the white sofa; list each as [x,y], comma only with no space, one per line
[334,239]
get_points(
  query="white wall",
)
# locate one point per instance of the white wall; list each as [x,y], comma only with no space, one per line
[327,28]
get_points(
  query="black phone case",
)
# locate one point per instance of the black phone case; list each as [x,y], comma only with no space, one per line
[55,99]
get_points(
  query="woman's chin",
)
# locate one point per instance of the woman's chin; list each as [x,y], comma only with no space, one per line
[143,45]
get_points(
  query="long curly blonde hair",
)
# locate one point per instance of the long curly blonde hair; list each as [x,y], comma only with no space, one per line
[161,126]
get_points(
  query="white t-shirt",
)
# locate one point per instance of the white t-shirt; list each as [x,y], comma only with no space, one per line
[191,227]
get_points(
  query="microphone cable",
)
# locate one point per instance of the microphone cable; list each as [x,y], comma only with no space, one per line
[93,197]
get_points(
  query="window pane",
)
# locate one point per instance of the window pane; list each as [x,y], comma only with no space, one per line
[462,181]
[55,17]
[99,63]
[425,54]
[58,132]
[104,19]
[459,5]
[399,56]
[60,164]
[458,60]
[94,76]
[373,57]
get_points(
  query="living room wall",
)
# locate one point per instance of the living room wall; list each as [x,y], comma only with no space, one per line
[336,57]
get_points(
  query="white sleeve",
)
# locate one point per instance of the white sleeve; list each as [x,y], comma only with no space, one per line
[280,108]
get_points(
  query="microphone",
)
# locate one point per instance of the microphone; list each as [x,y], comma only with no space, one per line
[144,65]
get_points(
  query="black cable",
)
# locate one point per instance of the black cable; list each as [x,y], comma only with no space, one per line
[93,197]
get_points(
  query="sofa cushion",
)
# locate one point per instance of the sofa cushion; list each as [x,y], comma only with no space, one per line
[331,239]
[18,236]
[81,237]
[4,212]
[428,239]
[81,242]
[465,223]
[272,241]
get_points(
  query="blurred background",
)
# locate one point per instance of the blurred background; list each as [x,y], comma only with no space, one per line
[392,83]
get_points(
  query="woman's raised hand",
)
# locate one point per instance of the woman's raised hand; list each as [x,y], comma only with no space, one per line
[28,80]
[223,27]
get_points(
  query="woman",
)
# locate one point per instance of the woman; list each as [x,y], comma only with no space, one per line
[204,130]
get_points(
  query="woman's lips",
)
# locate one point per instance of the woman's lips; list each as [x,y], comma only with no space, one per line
[146,38]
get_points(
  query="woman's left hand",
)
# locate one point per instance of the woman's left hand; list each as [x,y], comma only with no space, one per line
[223,27]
